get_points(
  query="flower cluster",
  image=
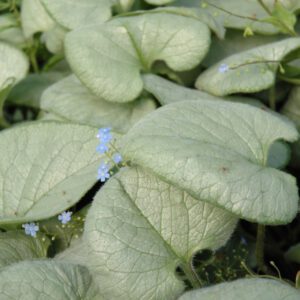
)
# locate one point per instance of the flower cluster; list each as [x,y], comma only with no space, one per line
[30,228]
[105,138]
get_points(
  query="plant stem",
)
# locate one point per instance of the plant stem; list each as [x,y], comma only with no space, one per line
[254,62]
[260,239]
[191,275]
[231,13]
[272,102]
[269,12]
[32,56]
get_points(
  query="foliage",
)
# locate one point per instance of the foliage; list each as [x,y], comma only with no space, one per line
[145,145]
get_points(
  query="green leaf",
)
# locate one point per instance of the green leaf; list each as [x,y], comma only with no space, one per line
[76,253]
[217,152]
[246,289]
[54,39]
[279,155]
[168,92]
[28,92]
[13,66]
[76,13]
[45,168]
[282,18]
[244,8]
[234,43]
[108,58]
[71,100]
[15,246]
[293,253]
[9,31]
[139,229]
[34,18]
[291,107]
[254,69]
[159,2]
[47,280]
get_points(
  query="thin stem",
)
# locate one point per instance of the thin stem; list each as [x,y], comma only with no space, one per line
[269,12]
[32,56]
[231,13]
[191,275]
[272,102]
[290,80]
[254,62]
[260,239]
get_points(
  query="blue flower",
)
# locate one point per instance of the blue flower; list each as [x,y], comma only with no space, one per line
[223,68]
[103,167]
[103,173]
[30,229]
[104,135]
[65,217]
[118,158]
[243,241]
[101,148]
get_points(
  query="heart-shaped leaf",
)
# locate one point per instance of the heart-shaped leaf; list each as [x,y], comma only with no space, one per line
[108,58]
[16,246]
[77,13]
[47,280]
[249,71]
[139,229]
[71,100]
[246,289]
[34,18]
[45,168]
[217,151]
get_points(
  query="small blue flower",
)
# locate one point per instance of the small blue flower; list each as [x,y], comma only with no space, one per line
[223,68]
[104,133]
[30,229]
[104,166]
[118,158]
[105,138]
[65,217]
[102,173]
[243,241]
[101,148]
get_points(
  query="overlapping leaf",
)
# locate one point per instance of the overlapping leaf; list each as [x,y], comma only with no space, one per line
[217,151]
[77,13]
[71,100]
[16,246]
[139,229]
[45,168]
[108,58]
[48,280]
[246,289]
[249,71]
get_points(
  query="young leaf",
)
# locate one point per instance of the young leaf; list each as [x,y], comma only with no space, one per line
[48,280]
[139,229]
[246,289]
[77,13]
[217,151]
[45,168]
[9,30]
[16,246]
[71,100]
[34,18]
[249,71]
[108,58]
